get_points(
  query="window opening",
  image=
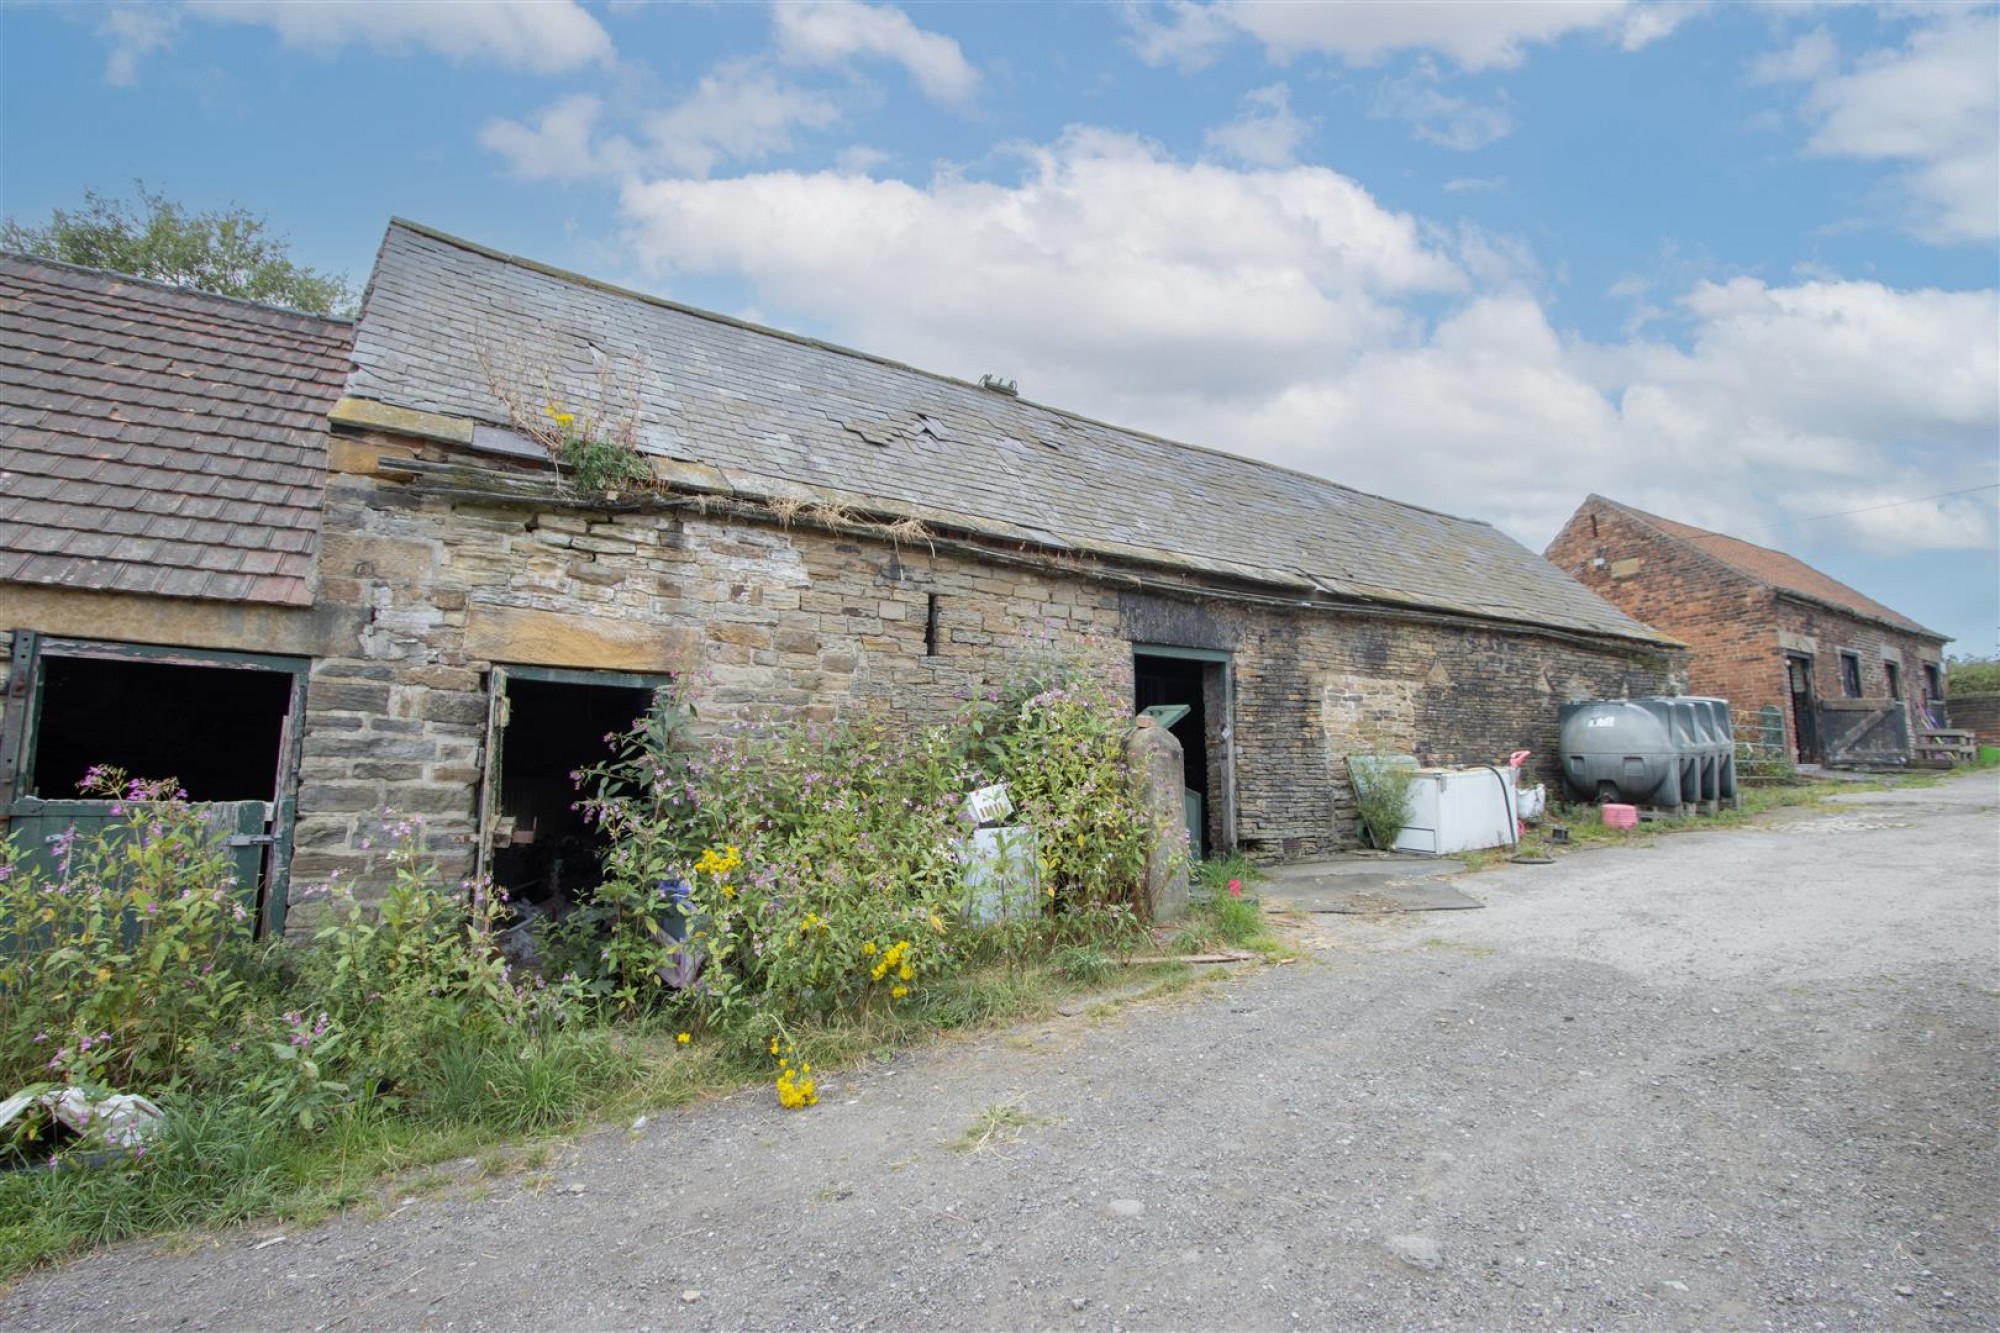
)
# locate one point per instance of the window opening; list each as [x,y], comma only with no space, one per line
[545,852]
[1850,674]
[1895,675]
[1933,684]
[218,730]
[931,625]
[222,725]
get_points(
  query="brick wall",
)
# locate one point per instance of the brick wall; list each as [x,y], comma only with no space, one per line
[1978,713]
[1739,631]
[768,618]
[1830,634]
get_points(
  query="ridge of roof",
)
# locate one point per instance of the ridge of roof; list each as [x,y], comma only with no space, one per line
[1833,593]
[889,363]
[175,290]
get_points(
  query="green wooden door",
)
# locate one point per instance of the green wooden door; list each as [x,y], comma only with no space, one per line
[37,826]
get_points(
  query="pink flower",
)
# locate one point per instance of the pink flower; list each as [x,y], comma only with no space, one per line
[1236,888]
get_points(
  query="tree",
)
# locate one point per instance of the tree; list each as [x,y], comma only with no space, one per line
[1974,675]
[231,252]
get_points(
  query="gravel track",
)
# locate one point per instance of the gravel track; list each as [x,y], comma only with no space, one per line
[1733,1078]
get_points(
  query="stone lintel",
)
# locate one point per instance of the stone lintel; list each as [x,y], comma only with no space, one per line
[562,639]
[367,414]
[322,631]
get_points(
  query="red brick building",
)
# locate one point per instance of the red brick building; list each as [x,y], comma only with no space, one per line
[1837,670]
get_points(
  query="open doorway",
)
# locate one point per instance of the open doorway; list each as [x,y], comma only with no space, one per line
[1805,715]
[223,726]
[1199,681]
[547,723]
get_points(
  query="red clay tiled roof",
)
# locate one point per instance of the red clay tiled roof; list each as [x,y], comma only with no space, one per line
[1783,572]
[158,440]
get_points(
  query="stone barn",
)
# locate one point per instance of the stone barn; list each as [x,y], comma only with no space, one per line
[819,531]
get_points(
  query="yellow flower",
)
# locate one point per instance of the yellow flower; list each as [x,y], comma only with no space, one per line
[684,1038]
[869,948]
[899,992]
[906,973]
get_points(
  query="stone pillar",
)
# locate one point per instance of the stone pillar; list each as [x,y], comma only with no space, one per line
[1159,778]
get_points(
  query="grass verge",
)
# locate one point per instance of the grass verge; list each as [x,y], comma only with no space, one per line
[227,1164]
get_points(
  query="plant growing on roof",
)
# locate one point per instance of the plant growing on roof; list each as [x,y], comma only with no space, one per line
[591,437]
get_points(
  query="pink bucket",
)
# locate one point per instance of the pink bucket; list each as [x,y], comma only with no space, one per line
[1621,816]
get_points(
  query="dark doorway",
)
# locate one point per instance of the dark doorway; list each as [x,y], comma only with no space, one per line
[217,730]
[1202,685]
[222,725]
[543,849]
[1805,723]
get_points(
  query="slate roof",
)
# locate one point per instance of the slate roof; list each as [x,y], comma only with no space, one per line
[1777,570]
[159,440]
[771,412]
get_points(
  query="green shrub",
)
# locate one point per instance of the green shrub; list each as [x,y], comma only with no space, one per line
[119,966]
[818,868]
[1382,797]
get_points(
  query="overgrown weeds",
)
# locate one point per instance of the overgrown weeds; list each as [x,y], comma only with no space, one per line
[795,896]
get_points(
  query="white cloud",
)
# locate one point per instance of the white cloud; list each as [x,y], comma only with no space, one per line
[833,32]
[1438,117]
[1490,35]
[1474,184]
[1813,55]
[560,145]
[1933,105]
[134,33]
[1106,268]
[1275,312]
[542,37]
[1189,35]
[1267,134]
[736,113]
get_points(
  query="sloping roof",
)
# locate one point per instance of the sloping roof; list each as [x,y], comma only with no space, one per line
[1777,570]
[159,440]
[774,412]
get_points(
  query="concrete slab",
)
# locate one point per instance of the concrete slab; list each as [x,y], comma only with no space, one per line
[1359,900]
[1367,884]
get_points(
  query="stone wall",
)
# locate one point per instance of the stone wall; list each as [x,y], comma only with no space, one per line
[1312,688]
[767,618]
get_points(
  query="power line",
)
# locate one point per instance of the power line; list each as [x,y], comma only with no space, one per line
[1867,509]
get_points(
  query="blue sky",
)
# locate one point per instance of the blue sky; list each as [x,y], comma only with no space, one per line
[1732,264]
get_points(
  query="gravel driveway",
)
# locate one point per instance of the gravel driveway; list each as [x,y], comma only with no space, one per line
[1726,1079]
